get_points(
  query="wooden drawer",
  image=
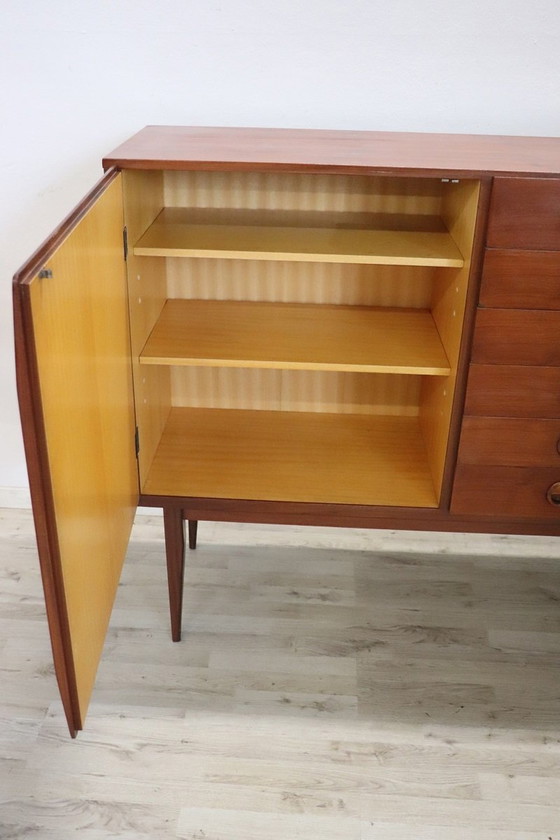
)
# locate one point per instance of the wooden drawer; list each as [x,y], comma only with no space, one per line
[521,279]
[525,213]
[505,491]
[510,441]
[516,337]
[513,391]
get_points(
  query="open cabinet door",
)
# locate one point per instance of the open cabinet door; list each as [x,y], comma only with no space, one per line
[76,401]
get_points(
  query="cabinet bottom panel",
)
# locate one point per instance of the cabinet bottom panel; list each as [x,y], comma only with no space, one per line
[299,457]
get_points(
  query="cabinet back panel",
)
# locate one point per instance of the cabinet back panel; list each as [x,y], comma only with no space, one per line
[302,282]
[293,390]
[305,282]
[373,285]
[305,193]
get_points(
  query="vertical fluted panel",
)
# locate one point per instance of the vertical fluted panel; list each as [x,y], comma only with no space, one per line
[292,390]
[300,192]
[366,285]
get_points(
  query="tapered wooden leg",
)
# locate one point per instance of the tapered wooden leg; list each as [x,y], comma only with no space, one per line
[174,527]
[193,528]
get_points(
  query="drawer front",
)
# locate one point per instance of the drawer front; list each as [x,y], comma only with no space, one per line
[517,492]
[521,279]
[509,458]
[525,213]
[514,442]
[516,337]
[513,391]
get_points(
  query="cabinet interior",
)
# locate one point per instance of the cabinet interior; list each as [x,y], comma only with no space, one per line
[296,336]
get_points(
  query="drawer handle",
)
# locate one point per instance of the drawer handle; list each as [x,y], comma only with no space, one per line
[553,494]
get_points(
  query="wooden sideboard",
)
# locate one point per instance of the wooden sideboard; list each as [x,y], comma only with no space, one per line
[357,329]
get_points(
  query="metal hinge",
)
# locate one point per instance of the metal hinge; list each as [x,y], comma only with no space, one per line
[137,441]
[125,243]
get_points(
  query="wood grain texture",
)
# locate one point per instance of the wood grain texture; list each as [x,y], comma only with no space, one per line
[184,147]
[292,457]
[325,198]
[521,279]
[510,441]
[37,460]
[513,391]
[516,337]
[296,336]
[296,390]
[147,293]
[449,300]
[174,527]
[173,235]
[504,491]
[83,363]
[285,282]
[375,678]
[353,516]
[525,213]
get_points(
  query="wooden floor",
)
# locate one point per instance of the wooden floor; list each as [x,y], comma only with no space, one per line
[331,685]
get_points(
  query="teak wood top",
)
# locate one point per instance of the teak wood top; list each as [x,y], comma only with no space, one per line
[312,150]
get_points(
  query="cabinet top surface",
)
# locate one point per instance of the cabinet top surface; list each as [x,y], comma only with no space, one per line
[184,147]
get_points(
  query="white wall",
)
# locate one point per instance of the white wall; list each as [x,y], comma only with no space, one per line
[79,76]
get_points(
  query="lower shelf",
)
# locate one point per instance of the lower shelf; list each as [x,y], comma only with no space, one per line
[292,456]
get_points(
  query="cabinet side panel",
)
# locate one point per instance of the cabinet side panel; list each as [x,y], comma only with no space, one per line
[143,196]
[80,327]
[448,309]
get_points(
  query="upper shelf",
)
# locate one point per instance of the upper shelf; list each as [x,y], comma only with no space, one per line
[296,336]
[174,234]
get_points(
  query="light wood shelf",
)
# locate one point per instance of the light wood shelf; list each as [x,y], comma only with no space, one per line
[174,234]
[297,457]
[295,336]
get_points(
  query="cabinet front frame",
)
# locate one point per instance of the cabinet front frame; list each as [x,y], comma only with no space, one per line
[156,382]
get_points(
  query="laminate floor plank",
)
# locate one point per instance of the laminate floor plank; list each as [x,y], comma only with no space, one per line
[223,824]
[380,830]
[330,684]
